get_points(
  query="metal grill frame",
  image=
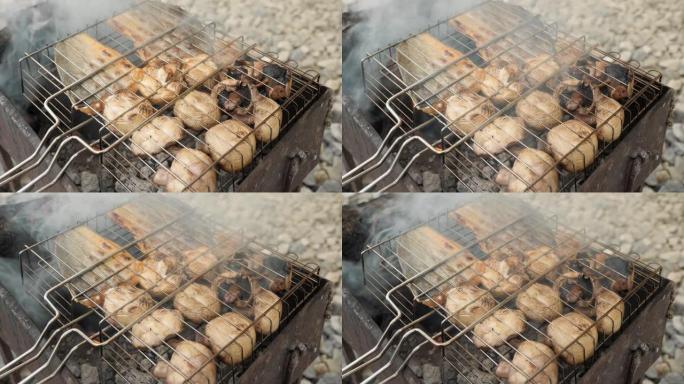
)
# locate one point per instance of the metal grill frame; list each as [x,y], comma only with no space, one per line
[381,259]
[114,149]
[384,85]
[38,259]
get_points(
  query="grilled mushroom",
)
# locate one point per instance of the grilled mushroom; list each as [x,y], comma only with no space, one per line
[125,110]
[198,261]
[529,166]
[125,304]
[188,165]
[539,302]
[267,117]
[499,276]
[533,363]
[156,275]
[158,81]
[568,331]
[573,144]
[186,361]
[499,82]
[468,303]
[232,144]
[499,327]
[200,69]
[540,69]
[609,119]
[610,305]
[540,110]
[278,80]
[541,260]
[198,110]
[267,310]
[233,335]
[197,303]
[158,134]
[157,327]
[498,135]
[468,111]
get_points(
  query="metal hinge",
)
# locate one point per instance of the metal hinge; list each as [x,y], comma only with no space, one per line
[637,353]
[638,160]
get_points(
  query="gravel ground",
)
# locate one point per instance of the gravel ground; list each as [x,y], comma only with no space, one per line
[306,31]
[308,227]
[651,226]
[648,31]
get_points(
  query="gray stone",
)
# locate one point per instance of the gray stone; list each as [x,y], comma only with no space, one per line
[330,378]
[330,186]
[89,374]
[673,378]
[431,374]
[89,182]
[673,186]
[431,182]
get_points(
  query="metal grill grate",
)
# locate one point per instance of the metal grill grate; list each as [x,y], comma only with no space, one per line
[157,55]
[455,88]
[414,273]
[242,274]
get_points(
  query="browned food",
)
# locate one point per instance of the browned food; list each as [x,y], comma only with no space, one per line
[468,111]
[500,82]
[198,261]
[125,304]
[573,144]
[268,310]
[568,331]
[540,69]
[499,327]
[541,260]
[540,110]
[268,117]
[529,167]
[82,247]
[200,69]
[197,303]
[502,277]
[189,359]
[540,302]
[498,135]
[423,55]
[158,275]
[467,304]
[156,327]
[609,311]
[82,55]
[160,82]
[424,247]
[198,110]
[124,111]
[191,171]
[610,117]
[232,144]
[233,335]
[533,363]
[161,132]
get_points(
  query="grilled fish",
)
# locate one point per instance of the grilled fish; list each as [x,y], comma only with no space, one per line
[423,55]
[81,55]
[81,248]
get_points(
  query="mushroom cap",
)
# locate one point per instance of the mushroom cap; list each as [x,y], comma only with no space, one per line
[539,302]
[468,303]
[233,143]
[530,165]
[157,327]
[187,359]
[125,304]
[197,303]
[158,134]
[198,110]
[609,320]
[567,331]
[188,165]
[233,335]
[499,327]
[496,136]
[126,111]
[531,359]
[610,117]
[269,305]
[569,139]
[468,111]
[540,110]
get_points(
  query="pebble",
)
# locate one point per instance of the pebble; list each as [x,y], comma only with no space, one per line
[431,374]
[431,182]
[89,182]
[89,374]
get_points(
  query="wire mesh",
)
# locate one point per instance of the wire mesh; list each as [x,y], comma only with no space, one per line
[511,103]
[487,280]
[133,72]
[179,275]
